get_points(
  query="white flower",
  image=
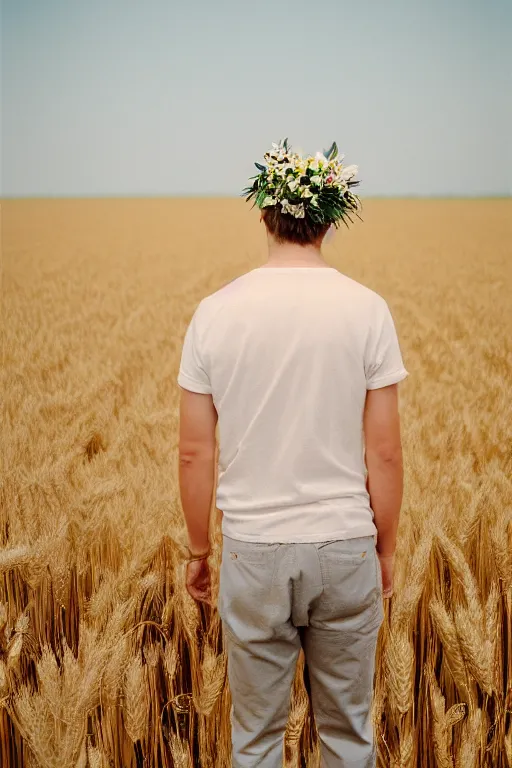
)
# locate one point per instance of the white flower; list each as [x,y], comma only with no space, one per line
[319,162]
[306,192]
[269,201]
[293,184]
[316,179]
[348,173]
[295,210]
[278,151]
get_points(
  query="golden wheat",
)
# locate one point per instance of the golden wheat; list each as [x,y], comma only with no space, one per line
[136,701]
[104,658]
[441,730]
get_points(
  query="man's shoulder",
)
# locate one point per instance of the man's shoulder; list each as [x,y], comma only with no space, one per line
[211,304]
[224,291]
[363,292]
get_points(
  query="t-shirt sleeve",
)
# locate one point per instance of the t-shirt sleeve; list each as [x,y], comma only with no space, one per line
[383,358]
[193,374]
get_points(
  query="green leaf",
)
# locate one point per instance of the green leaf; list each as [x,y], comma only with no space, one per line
[332,152]
[260,167]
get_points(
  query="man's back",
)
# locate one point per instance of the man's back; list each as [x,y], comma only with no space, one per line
[288,354]
[285,356]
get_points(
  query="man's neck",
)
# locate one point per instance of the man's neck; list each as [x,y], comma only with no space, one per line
[291,255]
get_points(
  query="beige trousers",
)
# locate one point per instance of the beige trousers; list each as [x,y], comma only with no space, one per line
[325,597]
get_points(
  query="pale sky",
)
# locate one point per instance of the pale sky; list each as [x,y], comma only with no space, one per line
[165,97]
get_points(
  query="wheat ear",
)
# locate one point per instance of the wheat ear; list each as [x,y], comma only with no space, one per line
[474,648]
[136,700]
[470,747]
[213,676]
[440,730]
[399,664]
[451,647]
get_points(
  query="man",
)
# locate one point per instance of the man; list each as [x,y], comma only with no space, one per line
[299,364]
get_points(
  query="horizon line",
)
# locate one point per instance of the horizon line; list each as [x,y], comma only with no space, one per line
[197,196]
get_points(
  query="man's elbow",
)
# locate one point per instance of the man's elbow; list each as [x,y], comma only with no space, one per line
[384,454]
[192,455]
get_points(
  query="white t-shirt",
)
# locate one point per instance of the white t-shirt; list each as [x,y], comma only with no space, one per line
[287,354]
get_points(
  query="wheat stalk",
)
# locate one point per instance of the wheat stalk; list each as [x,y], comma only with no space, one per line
[408,597]
[37,726]
[82,757]
[451,646]
[136,700]
[474,648]
[470,747]
[115,670]
[492,634]
[50,682]
[441,729]
[462,570]
[399,664]
[3,616]
[500,546]
[297,716]
[213,675]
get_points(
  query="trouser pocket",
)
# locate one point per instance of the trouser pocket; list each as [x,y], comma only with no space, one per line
[246,593]
[352,588]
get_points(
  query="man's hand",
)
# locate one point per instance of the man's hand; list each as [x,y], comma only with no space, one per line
[198,580]
[387,567]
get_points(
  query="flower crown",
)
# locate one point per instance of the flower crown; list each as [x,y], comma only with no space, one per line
[316,187]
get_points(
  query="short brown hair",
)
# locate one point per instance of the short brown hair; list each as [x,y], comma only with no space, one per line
[286,228]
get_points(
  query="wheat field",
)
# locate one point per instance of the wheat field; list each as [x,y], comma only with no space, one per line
[104,659]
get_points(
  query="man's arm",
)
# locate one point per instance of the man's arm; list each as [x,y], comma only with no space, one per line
[198,420]
[383,453]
